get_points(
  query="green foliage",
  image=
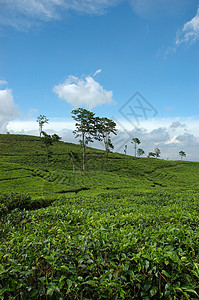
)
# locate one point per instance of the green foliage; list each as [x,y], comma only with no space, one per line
[85,127]
[47,141]
[13,201]
[112,245]
[105,127]
[151,154]
[56,137]
[9,202]
[140,152]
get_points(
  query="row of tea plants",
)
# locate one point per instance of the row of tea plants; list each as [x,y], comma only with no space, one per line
[109,245]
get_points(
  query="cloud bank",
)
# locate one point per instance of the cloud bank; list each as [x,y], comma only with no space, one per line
[170,136]
[8,110]
[83,92]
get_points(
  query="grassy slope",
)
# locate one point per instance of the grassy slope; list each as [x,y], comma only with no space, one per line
[130,231]
[22,160]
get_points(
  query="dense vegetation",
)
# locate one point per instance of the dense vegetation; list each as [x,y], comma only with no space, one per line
[126,229]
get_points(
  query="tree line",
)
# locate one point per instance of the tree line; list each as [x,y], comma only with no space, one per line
[90,128]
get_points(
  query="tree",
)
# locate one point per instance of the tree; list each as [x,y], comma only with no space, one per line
[136,142]
[74,159]
[151,154]
[140,152]
[157,152]
[85,127]
[47,141]
[41,120]
[182,154]
[104,128]
[125,149]
[56,138]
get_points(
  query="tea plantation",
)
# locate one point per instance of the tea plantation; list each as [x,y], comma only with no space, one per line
[126,229]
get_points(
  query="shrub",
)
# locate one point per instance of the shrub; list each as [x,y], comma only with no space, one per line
[11,201]
[3,209]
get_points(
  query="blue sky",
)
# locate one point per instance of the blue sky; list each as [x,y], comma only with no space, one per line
[58,54]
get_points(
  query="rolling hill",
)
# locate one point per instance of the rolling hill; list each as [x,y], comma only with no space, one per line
[126,229]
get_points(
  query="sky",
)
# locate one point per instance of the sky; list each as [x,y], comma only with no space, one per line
[133,61]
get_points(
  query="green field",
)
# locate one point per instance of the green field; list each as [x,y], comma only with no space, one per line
[126,229]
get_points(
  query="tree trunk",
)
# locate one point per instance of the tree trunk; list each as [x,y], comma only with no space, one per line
[73,163]
[74,169]
[40,129]
[83,141]
[135,149]
[106,154]
[106,147]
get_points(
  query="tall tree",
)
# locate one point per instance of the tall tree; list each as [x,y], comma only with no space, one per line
[85,127]
[182,154]
[140,152]
[42,119]
[104,128]
[136,142]
[157,152]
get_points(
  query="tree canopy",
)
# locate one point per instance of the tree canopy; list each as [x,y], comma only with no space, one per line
[136,142]
[85,127]
[104,128]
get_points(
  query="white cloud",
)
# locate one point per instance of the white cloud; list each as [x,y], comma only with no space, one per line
[83,92]
[3,82]
[22,14]
[8,110]
[177,124]
[189,32]
[97,72]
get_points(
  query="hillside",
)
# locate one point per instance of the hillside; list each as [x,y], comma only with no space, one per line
[23,160]
[126,229]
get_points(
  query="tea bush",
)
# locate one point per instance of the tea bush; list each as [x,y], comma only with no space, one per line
[13,201]
[111,246]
